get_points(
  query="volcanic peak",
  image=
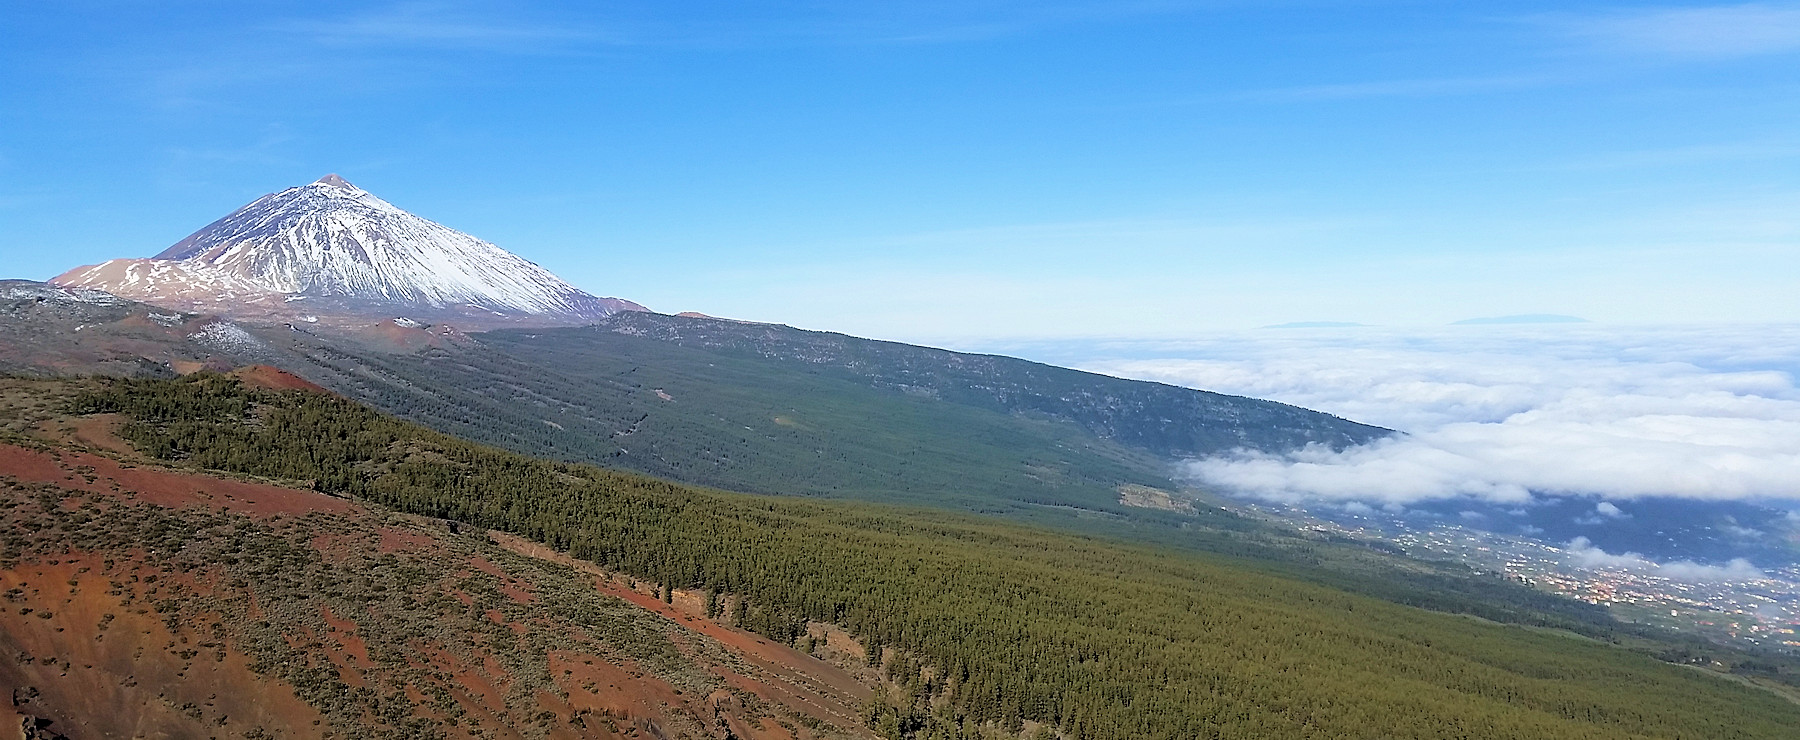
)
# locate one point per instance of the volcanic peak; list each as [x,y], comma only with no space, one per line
[333,180]
[338,244]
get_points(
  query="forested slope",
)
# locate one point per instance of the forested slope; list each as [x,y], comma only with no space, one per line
[992,623]
[1163,420]
[846,440]
[771,409]
[741,424]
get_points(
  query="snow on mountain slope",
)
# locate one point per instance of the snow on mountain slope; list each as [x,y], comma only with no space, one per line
[334,244]
[165,280]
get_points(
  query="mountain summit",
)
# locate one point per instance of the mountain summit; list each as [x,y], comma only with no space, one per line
[331,249]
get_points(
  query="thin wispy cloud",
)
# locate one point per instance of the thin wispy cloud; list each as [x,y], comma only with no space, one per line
[1149,234]
[268,149]
[1412,88]
[1744,151]
[439,26]
[979,21]
[10,201]
[479,26]
[393,48]
[1718,31]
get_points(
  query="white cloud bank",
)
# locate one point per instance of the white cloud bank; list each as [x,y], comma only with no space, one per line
[1503,414]
[1583,554]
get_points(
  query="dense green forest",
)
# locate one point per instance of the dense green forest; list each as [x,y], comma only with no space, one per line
[990,623]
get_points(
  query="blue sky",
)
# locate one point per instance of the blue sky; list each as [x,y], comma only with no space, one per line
[934,170]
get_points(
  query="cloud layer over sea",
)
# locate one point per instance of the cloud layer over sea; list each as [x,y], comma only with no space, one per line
[1501,414]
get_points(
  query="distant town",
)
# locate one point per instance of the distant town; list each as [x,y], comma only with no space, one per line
[1761,611]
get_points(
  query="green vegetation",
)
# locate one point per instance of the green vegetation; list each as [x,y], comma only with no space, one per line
[844,438]
[771,409]
[420,617]
[989,623]
[741,424]
[1164,420]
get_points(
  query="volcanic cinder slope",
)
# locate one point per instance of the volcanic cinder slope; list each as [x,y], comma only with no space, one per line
[331,251]
[146,601]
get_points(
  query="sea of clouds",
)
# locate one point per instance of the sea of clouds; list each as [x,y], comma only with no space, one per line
[1504,415]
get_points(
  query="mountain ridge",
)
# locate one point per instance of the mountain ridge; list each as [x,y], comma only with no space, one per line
[751,407]
[333,251]
[1122,412]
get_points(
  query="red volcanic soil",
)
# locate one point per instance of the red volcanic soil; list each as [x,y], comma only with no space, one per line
[787,676]
[275,379]
[391,336]
[783,675]
[100,430]
[76,656]
[121,641]
[398,540]
[173,489]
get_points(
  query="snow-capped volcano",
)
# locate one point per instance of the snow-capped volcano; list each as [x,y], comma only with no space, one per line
[333,248]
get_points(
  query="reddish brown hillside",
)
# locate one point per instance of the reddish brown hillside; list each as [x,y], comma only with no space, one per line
[275,379]
[140,601]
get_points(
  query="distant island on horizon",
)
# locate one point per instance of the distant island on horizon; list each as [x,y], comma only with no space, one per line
[1526,318]
[1314,325]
